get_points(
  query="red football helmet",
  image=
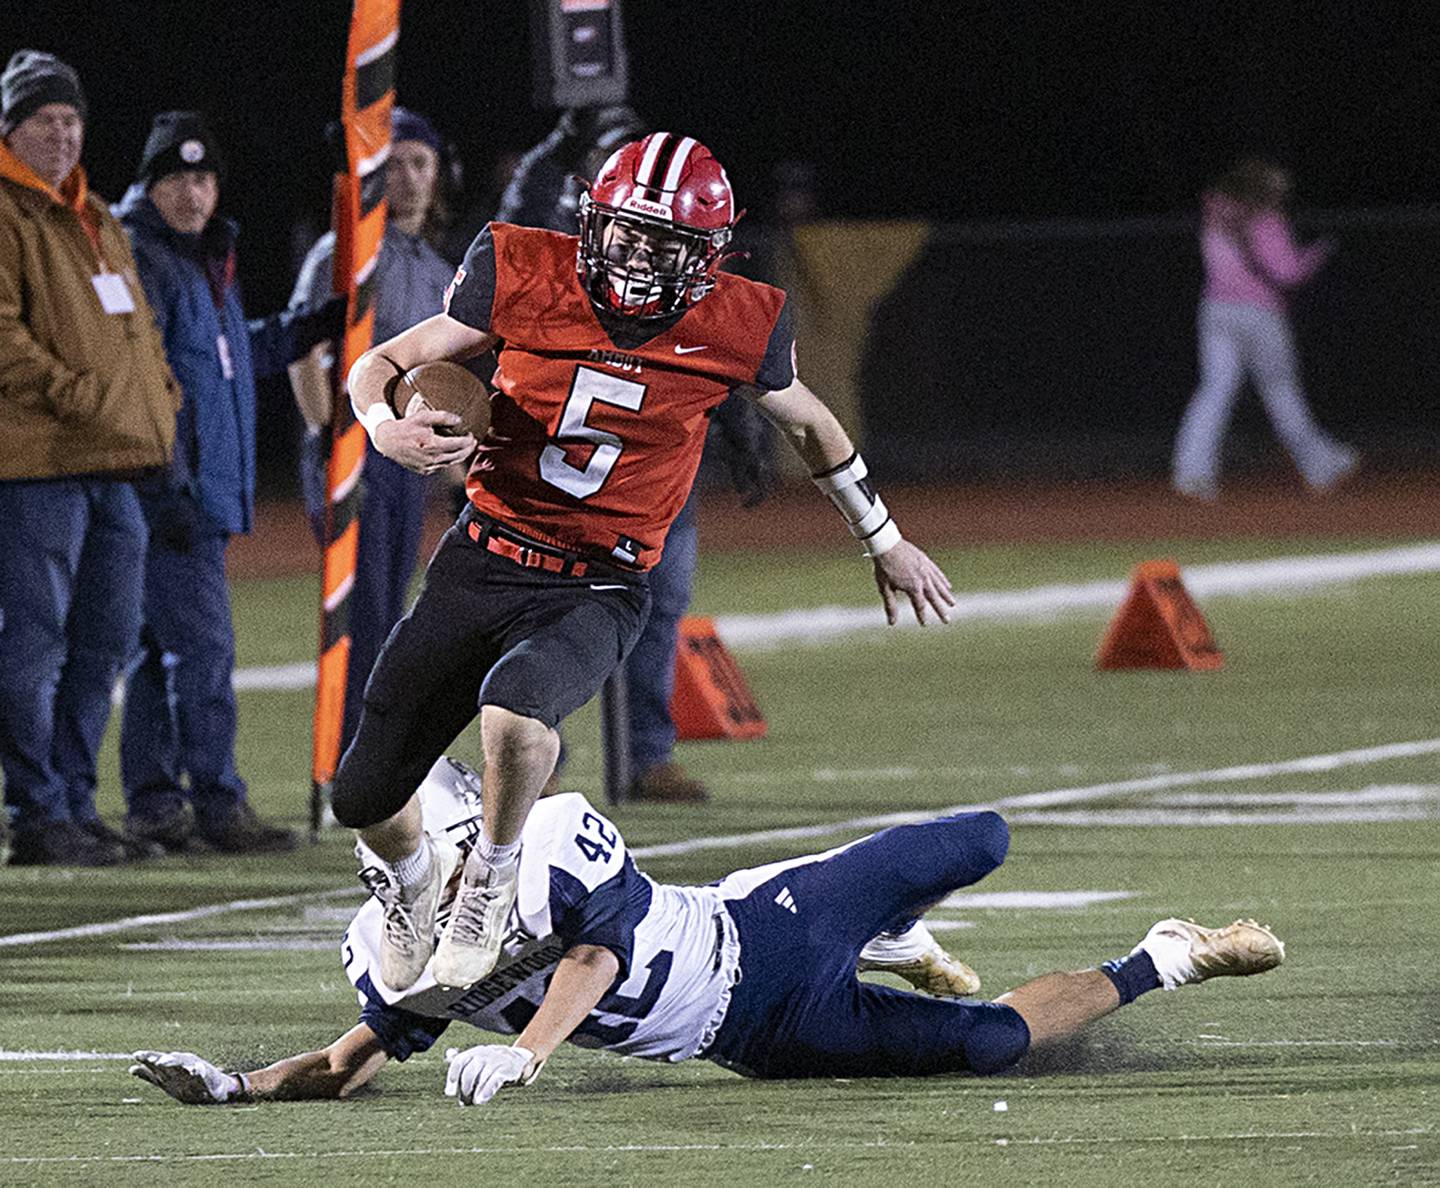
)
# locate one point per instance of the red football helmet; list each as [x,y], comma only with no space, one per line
[654,226]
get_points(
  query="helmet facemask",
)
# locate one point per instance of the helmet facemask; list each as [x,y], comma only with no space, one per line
[639,267]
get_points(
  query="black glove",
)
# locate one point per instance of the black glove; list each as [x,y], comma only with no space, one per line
[330,319]
[319,323]
[748,440]
[175,521]
[753,476]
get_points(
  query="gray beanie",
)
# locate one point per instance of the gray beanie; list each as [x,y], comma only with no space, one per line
[31,80]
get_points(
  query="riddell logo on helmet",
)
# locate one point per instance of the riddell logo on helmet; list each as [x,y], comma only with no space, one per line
[644,206]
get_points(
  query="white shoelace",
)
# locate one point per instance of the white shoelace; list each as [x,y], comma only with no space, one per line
[400,929]
[472,904]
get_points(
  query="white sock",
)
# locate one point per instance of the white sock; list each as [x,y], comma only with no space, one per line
[497,855]
[412,871]
[1169,950]
[910,945]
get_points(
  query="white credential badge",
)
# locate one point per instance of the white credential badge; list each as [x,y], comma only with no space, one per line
[113,292]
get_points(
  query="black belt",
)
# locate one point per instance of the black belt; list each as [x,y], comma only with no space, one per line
[504,541]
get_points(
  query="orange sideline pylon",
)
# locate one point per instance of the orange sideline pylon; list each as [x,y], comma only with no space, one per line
[1158,625]
[711,699]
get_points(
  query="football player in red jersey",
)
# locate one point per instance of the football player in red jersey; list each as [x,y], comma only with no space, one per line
[613,351]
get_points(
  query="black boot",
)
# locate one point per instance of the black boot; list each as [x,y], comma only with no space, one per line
[134,847]
[62,843]
[240,831]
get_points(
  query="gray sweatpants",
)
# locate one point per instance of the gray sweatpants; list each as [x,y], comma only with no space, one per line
[1241,340]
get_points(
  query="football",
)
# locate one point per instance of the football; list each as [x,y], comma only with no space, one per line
[449,388]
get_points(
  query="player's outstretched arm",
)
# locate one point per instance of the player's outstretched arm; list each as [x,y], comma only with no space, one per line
[333,1072]
[580,981]
[413,441]
[901,568]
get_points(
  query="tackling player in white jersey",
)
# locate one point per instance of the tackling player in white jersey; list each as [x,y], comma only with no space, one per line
[756,972]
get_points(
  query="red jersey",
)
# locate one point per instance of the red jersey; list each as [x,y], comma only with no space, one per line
[594,443]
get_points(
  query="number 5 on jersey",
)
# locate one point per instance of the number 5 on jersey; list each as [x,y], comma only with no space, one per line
[588,387]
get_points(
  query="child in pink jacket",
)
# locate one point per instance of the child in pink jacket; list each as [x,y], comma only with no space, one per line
[1251,260]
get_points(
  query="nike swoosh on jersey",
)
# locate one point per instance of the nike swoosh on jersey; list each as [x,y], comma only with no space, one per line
[684,350]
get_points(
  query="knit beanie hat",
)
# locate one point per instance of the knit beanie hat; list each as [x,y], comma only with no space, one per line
[409,125]
[179,140]
[30,81]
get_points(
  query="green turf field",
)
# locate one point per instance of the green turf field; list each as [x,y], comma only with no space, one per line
[1172,794]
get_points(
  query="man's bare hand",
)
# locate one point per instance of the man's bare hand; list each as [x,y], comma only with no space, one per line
[907,570]
[415,443]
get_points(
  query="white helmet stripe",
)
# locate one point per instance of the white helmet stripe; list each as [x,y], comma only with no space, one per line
[677,164]
[647,161]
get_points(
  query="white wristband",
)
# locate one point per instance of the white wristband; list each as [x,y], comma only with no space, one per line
[881,542]
[865,512]
[374,416]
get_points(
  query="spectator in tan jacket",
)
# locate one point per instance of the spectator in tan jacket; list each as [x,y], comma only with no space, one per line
[88,404]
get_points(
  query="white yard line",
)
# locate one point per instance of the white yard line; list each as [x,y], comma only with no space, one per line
[822,624]
[271,944]
[1220,1042]
[7,1057]
[1117,1140]
[1374,794]
[1172,817]
[1029,800]
[1060,796]
[818,625]
[1032,900]
[130,923]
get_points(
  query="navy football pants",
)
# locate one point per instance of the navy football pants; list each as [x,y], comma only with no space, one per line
[800,1011]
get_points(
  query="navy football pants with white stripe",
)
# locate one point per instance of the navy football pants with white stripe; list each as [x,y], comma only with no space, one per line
[800,1011]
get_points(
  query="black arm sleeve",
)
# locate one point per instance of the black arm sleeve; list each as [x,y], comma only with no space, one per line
[471,295]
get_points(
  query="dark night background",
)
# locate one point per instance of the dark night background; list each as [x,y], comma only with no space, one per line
[949,109]
[958,111]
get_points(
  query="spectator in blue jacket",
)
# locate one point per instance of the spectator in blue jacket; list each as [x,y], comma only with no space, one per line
[179,720]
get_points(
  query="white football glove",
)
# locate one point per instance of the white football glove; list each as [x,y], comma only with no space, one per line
[477,1073]
[187,1077]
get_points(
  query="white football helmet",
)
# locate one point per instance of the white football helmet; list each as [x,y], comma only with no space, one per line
[450,801]
[449,807]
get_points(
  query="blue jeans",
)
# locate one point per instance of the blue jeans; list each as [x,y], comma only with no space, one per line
[180,711]
[650,671]
[72,556]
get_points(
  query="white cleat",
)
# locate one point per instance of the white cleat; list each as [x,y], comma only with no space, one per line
[1184,952]
[918,957]
[407,936]
[470,945]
